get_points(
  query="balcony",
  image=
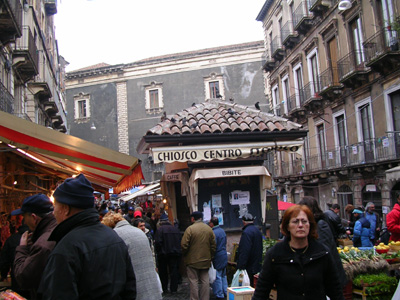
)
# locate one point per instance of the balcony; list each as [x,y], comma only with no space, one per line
[289,37]
[318,7]
[41,90]
[295,106]
[50,107]
[276,49]
[302,18]
[268,62]
[50,7]
[352,69]
[10,20]
[382,51]
[6,100]
[330,87]
[365,154]
[312,99]
[26,56]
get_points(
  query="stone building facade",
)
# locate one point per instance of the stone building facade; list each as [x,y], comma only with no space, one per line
[337,73]
[115,105]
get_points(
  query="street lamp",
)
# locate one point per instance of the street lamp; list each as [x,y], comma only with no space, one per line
[344,5]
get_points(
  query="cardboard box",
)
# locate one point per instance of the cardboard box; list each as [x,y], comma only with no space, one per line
[345,242]
[240,293]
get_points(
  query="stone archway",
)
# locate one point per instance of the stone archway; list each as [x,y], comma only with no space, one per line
[372,193]
[344,196]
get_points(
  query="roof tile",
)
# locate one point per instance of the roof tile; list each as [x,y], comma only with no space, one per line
[218,116]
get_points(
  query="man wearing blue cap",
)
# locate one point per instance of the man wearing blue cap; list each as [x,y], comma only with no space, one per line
[198,249]
[362,229]
[89,261]
[34,248]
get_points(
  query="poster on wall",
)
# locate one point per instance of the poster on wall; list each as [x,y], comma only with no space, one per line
[240,197]
[206,211]
[216,200]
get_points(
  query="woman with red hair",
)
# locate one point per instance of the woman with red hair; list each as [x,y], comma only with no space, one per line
[299,267]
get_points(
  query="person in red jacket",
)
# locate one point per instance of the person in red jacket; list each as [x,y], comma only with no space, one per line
[393,221]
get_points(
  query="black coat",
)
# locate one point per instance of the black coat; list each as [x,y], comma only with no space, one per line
[90,261]
[335,222]
[325,237]
[168,240]
[250,250]
[299,276]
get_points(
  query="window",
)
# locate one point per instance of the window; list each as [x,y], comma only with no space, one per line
[357,40]
[214,89]
[82,106]
[365,129]
[340,133]
[275,101]
[285,92]
[154,97]
[313,73]
[321,144]
[298,84]
[214,86]
[82,109]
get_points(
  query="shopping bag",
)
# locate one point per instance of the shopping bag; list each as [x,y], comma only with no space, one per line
[236,279]
[212,274]
[396,295]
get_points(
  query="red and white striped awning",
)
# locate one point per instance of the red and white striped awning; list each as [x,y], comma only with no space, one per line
[70,155]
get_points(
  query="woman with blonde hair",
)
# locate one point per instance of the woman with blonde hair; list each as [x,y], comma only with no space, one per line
[147,279]
[299,266]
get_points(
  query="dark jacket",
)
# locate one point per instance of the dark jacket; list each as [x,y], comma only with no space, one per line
[7,259]
[30,260]
[335,222]
[221,257]
[250,250]
[325,237]
[168,240]
[90,261]
[298,276]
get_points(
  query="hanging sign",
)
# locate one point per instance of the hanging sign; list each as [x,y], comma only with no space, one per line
[221,152]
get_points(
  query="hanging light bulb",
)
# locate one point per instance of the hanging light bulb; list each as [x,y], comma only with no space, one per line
[344,5]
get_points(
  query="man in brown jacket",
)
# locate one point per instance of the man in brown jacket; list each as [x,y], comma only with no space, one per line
[198,249]
[34,248]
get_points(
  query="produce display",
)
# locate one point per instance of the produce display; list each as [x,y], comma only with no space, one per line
[357,262]
[375,284]
[10,295]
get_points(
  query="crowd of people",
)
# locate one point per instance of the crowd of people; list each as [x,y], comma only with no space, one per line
[80,248]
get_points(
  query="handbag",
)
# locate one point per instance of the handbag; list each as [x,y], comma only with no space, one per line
[212,274]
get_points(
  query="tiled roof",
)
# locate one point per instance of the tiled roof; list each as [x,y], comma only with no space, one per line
[217,116]
[93,67]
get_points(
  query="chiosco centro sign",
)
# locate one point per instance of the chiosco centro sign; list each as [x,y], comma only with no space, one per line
[220,152]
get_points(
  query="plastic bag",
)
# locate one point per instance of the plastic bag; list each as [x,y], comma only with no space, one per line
[396,295]
[212,274]
[241,278]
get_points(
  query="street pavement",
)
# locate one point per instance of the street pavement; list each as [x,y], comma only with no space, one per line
[183,292]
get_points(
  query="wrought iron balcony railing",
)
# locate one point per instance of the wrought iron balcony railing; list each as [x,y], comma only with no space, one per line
[378,150]
[354,61]
[385,41]
[329,78]
[301,13]
[6,100]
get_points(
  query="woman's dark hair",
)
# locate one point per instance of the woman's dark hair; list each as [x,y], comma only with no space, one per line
[293,212]
[312,204]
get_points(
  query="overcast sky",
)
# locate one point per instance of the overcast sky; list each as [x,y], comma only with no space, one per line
[123,31]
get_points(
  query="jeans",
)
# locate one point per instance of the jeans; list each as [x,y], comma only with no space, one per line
[220,284]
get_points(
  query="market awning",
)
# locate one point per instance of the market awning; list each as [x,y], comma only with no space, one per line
[282,205]
[143,191]
[70,155]
[393,174]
